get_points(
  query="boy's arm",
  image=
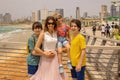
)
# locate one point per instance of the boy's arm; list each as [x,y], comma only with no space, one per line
[31,47]
[78,67]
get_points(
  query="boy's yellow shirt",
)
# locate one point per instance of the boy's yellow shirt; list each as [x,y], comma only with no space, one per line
[77,44]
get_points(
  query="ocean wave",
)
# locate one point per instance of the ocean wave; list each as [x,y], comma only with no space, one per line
[8,34]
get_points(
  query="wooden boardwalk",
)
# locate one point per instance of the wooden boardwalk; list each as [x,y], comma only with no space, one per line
[13,60]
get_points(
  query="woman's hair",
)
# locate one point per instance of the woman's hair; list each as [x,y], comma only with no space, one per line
[37,25]
[77,22]
[57,16]
[46,23]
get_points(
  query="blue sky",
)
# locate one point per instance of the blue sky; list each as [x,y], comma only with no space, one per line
[21,8]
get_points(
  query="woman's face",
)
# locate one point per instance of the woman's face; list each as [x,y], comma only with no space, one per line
[50,25]
[74,28]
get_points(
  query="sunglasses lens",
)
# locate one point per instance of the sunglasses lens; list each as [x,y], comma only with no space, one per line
[50,23]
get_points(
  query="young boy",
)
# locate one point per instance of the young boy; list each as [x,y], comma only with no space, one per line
[63,40]
[77,51]
[33,58]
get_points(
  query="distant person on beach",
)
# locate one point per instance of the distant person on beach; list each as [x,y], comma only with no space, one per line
[107,29]
[48,66]
[94,30]
[33,58]
[116,33]
[103,30]
[77,51]
[63,41]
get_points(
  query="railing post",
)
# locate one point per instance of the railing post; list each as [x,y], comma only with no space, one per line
[110,64]
[87,39]
[119,65]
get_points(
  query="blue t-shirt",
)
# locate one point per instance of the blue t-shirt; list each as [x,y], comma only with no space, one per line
[32,59]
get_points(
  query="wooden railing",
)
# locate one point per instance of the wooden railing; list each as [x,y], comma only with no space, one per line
[103,58]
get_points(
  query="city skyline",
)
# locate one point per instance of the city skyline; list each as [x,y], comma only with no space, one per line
[25,8]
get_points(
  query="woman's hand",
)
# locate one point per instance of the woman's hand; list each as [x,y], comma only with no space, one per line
[49,54]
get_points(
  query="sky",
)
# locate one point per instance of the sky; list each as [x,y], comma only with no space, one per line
[23,8]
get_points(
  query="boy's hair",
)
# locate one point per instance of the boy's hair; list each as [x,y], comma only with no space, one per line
[36,25]
[77,22]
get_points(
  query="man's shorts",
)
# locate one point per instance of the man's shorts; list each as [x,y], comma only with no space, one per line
[78,75]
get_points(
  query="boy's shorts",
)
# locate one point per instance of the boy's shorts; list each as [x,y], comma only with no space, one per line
[32,69]
[78,75]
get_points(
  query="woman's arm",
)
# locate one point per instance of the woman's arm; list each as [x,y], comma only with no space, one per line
[40,51]
[35,53]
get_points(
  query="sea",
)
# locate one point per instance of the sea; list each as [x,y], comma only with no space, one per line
[6,31]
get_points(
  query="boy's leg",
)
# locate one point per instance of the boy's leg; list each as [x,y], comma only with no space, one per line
[30,75]
[80,74]
[66,44]
[73,74]
[61,69]
[32,70]
[74,78]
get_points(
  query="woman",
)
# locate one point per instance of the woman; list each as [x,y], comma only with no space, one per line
[48,67]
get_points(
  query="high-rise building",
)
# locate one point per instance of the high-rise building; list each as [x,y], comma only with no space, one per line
[38,15]
[77,13]
[43,14]
[113,11]
[85,15]
[7,18]
[61,11]
[104,12]
[51,13]
[33,18]
[1,18]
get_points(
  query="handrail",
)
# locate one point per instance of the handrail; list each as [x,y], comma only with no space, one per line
[103,47]
[103,58]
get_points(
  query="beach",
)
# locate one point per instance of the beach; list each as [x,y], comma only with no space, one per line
[13,54]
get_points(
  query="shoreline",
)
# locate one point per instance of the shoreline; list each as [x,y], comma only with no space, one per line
[19,25]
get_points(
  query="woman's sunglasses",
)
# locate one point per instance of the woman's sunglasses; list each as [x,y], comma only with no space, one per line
[50,23]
